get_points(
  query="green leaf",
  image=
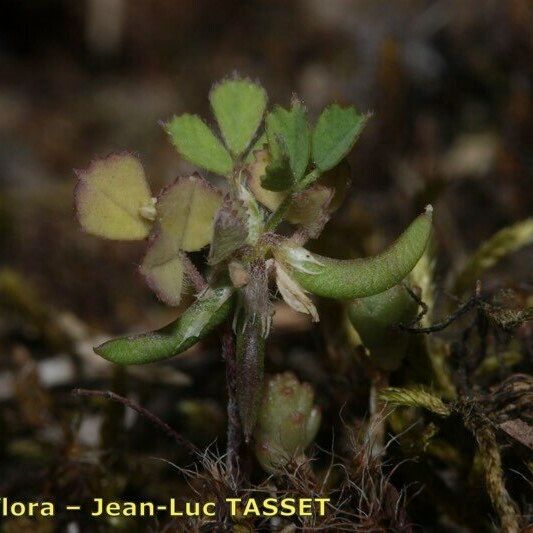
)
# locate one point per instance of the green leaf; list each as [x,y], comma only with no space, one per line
[238,106]
[185,214]
[288,134]
[204,315]
[111,195]
[164,272]
[334,135]
[197,143]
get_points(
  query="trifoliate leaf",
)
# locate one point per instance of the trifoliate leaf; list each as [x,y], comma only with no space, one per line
[238,106]
[288,133]
[198,144]
[230,231]
[185,213]
[110,196]
[164,272]
[334,135]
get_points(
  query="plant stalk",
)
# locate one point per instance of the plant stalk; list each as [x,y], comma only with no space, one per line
[234,434]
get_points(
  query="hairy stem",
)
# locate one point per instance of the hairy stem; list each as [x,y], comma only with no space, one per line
[277,216]
[194,275]
[234,438]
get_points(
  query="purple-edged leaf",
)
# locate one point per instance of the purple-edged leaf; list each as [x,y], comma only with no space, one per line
[230,232]
[164,272]
[111,197]
[185,214]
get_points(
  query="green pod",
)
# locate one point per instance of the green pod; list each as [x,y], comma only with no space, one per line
[209,310]
[250,373]
[359,278]
[375,318]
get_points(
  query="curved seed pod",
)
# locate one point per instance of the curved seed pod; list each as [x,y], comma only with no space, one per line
[288,421]
[250,371]
[358,278]
[196,322]
[375,318]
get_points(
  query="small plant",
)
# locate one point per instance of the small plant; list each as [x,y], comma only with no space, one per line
[284,179]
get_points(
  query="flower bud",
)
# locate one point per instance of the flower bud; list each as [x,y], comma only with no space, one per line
[288,422]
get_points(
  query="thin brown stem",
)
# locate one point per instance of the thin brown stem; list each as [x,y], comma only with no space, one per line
[461,310]
[156,421]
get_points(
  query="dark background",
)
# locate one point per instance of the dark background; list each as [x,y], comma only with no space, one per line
[449,84]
